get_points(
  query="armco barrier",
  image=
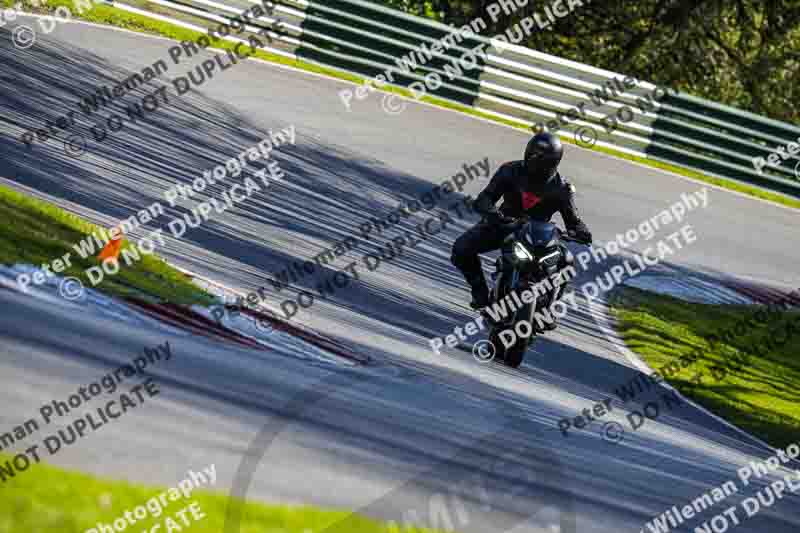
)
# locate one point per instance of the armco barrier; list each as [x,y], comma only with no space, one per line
[514,82]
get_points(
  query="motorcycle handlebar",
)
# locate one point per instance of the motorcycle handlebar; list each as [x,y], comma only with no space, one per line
[567,238]
[515,223]
[512,223]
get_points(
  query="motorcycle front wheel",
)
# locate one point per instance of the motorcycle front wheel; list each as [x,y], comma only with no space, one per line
[515,353]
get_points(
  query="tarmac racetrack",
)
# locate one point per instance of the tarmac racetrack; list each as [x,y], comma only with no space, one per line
[397,437]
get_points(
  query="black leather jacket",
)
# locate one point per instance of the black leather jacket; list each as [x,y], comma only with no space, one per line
[540,202]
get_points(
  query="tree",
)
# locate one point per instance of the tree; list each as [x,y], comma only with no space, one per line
[743,53]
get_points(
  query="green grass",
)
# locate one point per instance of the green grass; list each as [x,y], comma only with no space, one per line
[103,14]
[36,232]
[760,390]
[48,499]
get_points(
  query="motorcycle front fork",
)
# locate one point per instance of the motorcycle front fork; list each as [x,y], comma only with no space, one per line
[497,281]
[548,299]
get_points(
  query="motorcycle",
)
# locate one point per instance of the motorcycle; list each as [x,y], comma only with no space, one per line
[530,275]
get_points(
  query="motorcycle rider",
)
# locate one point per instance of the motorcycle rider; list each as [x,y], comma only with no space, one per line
[532,187]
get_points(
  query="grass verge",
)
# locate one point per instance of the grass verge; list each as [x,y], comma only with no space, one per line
[37,233]
[104,14]
[46,498]
[750,377]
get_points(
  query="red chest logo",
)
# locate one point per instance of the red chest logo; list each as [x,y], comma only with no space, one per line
[529,200]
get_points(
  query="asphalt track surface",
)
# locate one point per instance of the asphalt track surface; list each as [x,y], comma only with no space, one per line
[390,437]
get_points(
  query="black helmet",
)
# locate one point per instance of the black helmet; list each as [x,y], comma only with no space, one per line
[542,156]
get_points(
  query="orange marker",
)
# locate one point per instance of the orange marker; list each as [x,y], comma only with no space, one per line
[112,249]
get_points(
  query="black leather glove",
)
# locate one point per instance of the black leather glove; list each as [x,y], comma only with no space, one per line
[496,218]
[583,237]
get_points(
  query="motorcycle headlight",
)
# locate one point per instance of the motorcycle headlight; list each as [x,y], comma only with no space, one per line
[522,253]
[551,260]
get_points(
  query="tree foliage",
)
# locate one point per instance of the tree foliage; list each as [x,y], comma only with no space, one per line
[743,53]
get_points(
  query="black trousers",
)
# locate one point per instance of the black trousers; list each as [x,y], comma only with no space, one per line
[479,239]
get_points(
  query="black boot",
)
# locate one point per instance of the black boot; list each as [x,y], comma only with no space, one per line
[550,326]
[480,292]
